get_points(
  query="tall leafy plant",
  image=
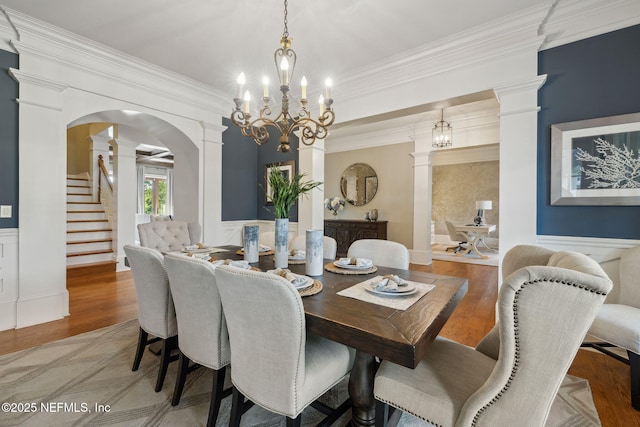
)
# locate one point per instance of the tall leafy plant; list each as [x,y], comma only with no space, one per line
[285,192]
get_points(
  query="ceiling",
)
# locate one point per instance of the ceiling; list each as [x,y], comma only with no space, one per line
[211,41]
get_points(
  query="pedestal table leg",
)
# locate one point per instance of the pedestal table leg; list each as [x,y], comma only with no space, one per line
[361,390]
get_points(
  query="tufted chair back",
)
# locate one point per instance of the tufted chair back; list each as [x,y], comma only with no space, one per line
[167,236]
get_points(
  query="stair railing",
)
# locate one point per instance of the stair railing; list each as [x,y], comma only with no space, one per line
[105,190]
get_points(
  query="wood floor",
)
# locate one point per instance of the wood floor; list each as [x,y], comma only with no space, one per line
[104,299]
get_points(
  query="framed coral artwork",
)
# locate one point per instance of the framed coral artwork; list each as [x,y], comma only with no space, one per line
[596,162]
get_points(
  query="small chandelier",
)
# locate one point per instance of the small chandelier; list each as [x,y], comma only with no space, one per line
[442,133]
[284,121]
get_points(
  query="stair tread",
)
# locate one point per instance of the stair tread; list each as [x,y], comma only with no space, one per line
[89,231]
[98,252]
[86,211]
[86,220]
[79,242]
[83,203]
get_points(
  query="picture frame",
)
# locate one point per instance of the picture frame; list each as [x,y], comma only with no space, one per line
[596,162]
[288,169]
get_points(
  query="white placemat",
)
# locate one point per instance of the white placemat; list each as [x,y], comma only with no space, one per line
[399,302]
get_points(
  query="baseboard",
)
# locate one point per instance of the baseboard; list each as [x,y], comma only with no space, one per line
[42,309]
[420,257]
[7,315]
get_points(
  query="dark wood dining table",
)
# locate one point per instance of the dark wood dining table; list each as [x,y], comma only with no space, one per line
[398,336]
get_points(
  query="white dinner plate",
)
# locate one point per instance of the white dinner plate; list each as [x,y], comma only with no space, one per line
[406,290]
[351,266]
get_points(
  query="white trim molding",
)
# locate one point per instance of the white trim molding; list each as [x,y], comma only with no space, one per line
[602,250]
[8,277]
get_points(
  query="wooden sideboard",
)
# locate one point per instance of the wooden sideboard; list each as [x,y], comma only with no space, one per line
[348,231]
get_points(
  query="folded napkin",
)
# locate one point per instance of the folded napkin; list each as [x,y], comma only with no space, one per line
[356,262]
[239,264]
[388,283]
[287,274]
[296,254]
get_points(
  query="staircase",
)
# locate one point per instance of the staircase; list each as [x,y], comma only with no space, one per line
[89,235]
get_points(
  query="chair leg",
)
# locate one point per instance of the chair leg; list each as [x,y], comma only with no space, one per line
[382,414]
[167,345]
[294,422]
[142,342]
[236,408]
[216,395]
[181,377]
[634,368]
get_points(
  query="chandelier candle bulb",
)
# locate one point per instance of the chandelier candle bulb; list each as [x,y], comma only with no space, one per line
[284,70]
[265,87]
[241,80]
[247,101]
[327,88]
[303,87]
[321,103]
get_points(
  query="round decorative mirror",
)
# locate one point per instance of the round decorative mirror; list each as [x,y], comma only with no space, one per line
[359,184]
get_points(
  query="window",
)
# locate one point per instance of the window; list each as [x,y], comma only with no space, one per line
[155,195]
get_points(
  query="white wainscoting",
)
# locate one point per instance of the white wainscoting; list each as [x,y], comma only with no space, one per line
[8,277]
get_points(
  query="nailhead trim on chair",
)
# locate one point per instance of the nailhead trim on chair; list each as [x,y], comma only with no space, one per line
[517,339]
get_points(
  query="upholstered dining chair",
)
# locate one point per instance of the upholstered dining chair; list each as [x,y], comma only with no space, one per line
[454,236]
[275,363]
[201,325]
[329,245]
[167,236]
[156,314]
[512,377]
[618,321]
[383,253]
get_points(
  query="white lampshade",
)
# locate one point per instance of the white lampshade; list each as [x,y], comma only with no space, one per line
[483,204]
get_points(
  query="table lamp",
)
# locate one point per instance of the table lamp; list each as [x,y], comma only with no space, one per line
[481,206]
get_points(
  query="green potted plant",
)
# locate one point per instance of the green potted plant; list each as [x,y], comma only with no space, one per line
[284,193]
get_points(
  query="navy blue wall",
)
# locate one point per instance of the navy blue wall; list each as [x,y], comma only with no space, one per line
[8,138]
[239,175]
[243,165]
[595,77]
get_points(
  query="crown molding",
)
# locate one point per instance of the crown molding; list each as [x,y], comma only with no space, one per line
[502,38]
[573,20]
[7,33]
[71,51]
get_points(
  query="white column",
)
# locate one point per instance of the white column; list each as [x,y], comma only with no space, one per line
[421,252]
[311,207]
[125,197]
[518,162]
[99,146]
[43,213]
[211,214]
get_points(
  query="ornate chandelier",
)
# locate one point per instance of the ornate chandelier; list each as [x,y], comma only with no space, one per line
[284,121]
[442,133]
